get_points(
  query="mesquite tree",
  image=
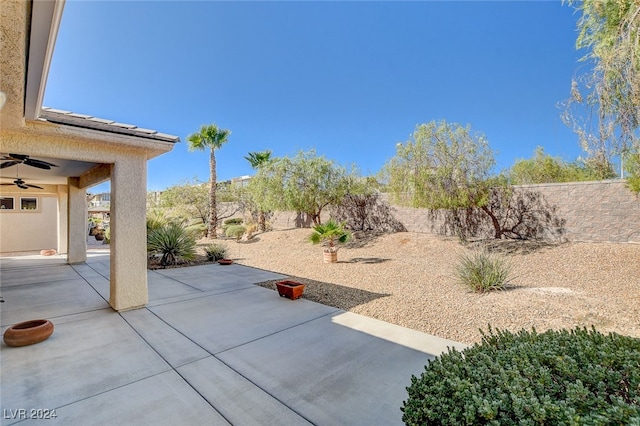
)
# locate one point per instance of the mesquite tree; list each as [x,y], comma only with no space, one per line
[306,183]
[444,166]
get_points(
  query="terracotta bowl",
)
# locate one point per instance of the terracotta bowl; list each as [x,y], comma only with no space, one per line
[28,332]
[49,252]
[225,261]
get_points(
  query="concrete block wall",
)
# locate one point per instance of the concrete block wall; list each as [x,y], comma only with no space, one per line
[591,212]
[595,211]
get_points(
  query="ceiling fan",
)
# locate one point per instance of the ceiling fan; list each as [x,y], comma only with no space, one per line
[22,184]
[13,159]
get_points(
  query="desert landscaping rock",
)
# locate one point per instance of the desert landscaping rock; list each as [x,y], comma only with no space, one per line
[408,279]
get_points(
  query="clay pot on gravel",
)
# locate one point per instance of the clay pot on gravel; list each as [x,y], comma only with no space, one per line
[290,289]
[28,332]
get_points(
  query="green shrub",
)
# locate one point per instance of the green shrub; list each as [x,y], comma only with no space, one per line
[236,231]
[172,242]
[482,271]
[216,252]
[155,221]
[558,377]
[234,221]
[199,230]
[107,236]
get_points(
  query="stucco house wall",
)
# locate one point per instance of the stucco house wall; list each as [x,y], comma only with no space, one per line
[29,230]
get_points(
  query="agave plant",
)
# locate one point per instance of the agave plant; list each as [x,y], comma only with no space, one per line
[330,234]
[172,242]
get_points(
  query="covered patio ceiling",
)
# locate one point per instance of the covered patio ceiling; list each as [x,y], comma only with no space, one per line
[34,175]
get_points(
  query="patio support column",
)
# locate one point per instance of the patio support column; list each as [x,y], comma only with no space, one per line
[128,277]
[76,222]
[63,219]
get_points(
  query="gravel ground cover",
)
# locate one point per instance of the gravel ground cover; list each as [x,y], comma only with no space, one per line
[408,279]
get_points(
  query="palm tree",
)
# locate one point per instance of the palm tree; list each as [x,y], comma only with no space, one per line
[257,160]
[212,137]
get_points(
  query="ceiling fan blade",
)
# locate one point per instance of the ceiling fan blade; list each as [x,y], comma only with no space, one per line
[20,157]
[34,186]
[8,164]
[7,184]
[37,163]
[22,186]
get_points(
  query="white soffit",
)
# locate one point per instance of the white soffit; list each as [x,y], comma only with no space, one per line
[45,21]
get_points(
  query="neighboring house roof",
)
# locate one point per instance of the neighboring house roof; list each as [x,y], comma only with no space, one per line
[89,122]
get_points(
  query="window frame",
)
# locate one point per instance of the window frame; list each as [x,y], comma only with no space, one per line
[13,203]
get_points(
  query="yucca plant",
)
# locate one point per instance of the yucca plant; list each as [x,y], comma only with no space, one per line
[172,242]
[482,271]
[216,252]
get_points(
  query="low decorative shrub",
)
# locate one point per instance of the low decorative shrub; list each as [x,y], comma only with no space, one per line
[231,222]
[216,252]
[172,242]
[558,377]
[236,231]
[234,221]
[199,230]
[482,271]
[107,236]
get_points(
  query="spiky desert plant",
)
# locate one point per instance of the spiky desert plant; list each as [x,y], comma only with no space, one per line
[482,271]
[172,242]
[216,252]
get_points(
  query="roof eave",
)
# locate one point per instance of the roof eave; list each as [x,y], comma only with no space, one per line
[45,22]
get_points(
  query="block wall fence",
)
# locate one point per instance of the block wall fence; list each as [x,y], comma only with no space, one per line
[591,212]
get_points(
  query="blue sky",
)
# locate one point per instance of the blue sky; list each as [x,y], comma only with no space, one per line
[349,79]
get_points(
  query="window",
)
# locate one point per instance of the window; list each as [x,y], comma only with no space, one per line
[28,203]
[6,203]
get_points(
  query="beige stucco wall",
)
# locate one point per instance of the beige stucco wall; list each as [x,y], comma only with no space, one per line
[119,157]
[29,230]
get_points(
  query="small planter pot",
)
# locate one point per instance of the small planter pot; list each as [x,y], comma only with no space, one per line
[330,257]
[28,332]
[49,252]
[290,289]
[225,261]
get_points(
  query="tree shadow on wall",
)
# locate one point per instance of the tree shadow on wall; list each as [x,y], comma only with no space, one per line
[511,214]
[338,296]
[369,213]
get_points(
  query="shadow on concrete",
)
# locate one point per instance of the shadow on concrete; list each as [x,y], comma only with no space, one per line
[338,296]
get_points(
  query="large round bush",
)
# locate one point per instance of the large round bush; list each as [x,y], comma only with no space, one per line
[563,377]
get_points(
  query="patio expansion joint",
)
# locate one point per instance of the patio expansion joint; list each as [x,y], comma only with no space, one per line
[278,332]
[214,355]
[169,365]
[173,279]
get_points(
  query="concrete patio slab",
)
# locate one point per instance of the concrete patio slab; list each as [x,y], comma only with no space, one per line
[40,274]
[174,347]
[164,399]
[87,355]
[331,374]
[29,301]
[210,348]
[219,277]
[239,400]
[162,287]
[221,321]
